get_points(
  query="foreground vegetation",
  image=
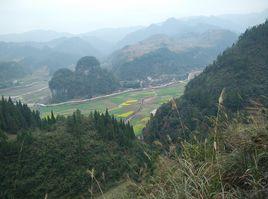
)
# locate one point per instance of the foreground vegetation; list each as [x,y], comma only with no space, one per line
[73,157]
[231,163]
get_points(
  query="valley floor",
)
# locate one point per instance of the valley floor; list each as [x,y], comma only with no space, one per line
[131,105]
[134,105]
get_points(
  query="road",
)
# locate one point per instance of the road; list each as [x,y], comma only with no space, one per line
[109,95]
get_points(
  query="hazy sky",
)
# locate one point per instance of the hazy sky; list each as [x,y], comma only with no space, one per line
[84,15]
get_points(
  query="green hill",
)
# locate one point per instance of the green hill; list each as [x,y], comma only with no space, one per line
[239,76]
[88,80]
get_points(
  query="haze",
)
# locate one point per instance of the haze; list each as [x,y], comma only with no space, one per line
[78,16]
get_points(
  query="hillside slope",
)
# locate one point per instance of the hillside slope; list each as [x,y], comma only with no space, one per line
[10,71]
[182,54]
[239,75]
[74,157]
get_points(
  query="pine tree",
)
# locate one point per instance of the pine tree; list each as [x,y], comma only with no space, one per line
[53,119]
[16,117]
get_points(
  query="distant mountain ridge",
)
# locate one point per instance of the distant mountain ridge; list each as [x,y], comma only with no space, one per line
[74,45]
[237,23]
[55,54]
[102,40]
[176,43]
[170,27]
[116,38]
[33,58]
[33,36]
[58,49]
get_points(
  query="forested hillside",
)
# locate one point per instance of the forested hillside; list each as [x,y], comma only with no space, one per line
[164,62]
[238,77]
[58,157]
[88,80]
[165,55]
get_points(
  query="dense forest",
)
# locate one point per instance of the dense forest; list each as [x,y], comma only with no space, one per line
[88,80]
[16,117]
[238,77]
[67,157]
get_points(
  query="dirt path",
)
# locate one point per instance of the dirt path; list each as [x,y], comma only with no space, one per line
[143,102]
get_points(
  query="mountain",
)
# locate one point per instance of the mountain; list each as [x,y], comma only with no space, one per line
[102,40]
[102,46]
[178,54]
[88,80]
[35,55]
[34,36]
[198,24]
[234,22]
[241,22]
[176,43]
[235,81]
[55,54]
[170,27]
[162,62]
[73,45]
[111,35]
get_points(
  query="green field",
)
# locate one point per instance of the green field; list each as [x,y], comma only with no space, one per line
[134,106]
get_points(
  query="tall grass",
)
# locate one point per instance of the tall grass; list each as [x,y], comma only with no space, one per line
[231,163]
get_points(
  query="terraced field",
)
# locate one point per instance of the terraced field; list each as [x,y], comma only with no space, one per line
[31,89]
[132,106]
